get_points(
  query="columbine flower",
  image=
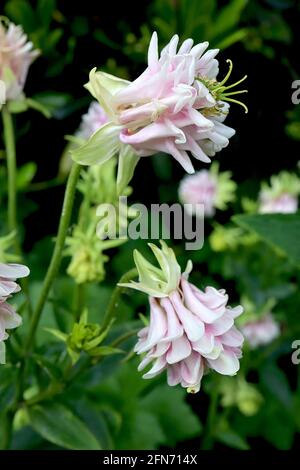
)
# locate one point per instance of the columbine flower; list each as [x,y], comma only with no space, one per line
[8,317]
[190,330]
[208,187]
[281,196]
[261,331]
[92,121]
[175,106]
[16,56]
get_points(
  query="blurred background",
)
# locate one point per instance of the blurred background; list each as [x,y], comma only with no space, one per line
[260,408]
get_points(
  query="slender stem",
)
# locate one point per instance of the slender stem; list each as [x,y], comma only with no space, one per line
[10,147]
[57,253]
[79,299]
[208,440]
[7,421]
[114,300]
[124,337]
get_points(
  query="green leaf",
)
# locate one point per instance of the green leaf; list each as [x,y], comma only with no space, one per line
[165,403]
[25,175]
[232,38]
[281,231]
[37,106]
[277,383]
[58,334]
[229,17]
[128,160]
[105,351]
[45,9]
[57,424]
[232,439]
[18,106]
[45,364]
[21,12]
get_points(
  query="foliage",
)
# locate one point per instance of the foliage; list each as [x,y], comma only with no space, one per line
[82,388]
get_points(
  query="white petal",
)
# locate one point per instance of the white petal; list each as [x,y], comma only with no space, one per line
[185,47]
[180,349]
[226,364]
[153,50]
[158,367]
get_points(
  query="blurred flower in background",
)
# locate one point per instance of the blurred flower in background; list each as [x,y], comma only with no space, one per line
[91,121]
[281,196]
[16,56]
[211,188]
[240,393]
[261,331]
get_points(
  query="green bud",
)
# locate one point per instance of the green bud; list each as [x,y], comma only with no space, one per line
[87,337]
[154,281]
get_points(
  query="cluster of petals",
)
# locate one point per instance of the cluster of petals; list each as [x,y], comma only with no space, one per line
[281,195]
[92,121]
[8,317]
[262,331]
[190,331]
[16,56]
[200,188]
[283,204]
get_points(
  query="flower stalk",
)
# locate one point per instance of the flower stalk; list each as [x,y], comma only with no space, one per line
[57,253]
[10,148]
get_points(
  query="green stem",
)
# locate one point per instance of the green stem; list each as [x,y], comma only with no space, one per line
[7,422]
[208,440]
[114,300]
[57,253]
[124,337]
[79,299]
[10,147]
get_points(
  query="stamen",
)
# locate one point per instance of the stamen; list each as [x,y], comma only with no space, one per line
[235,92]
[237,83]
[228,73]
[238,102]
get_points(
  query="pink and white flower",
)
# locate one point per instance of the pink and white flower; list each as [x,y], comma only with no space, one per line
[175,106]
[92,121]
[16,56]
[207,187]
[8,317]
[281,196]
[262,331]
[190,330]
[283,204]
